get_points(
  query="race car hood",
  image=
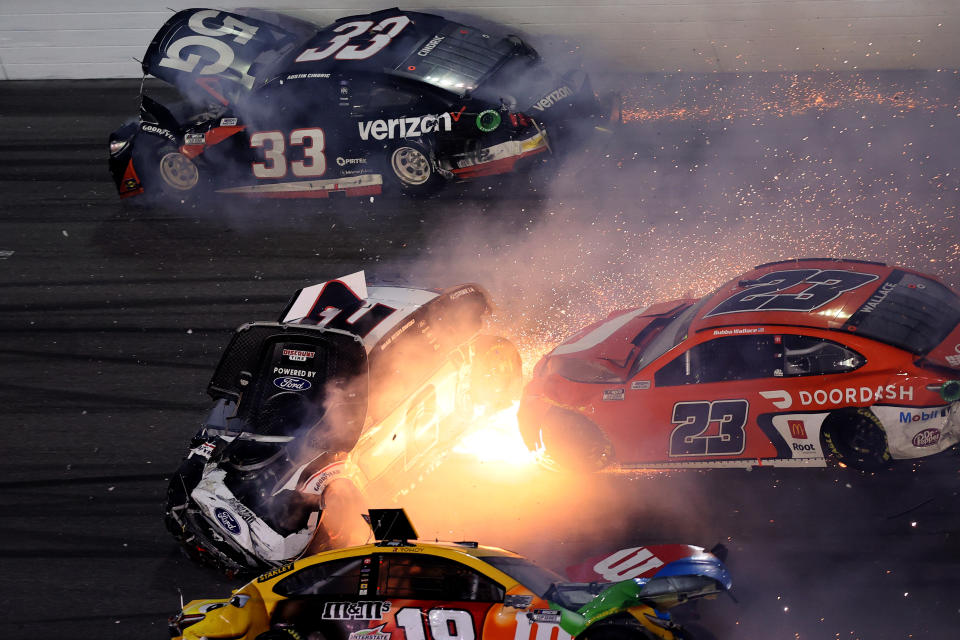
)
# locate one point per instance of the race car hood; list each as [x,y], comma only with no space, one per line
[209,54]
[426,47]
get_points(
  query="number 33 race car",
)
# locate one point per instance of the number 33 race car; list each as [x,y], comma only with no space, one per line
[402,590]
[273,106]
[784,365]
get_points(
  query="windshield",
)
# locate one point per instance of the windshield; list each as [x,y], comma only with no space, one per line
[537,579]
[908,311]
[670,336]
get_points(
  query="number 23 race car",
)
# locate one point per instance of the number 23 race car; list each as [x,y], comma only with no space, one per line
[402,590]
[785,365]
[272,106]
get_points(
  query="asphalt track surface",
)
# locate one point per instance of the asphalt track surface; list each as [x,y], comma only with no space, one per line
[113,316]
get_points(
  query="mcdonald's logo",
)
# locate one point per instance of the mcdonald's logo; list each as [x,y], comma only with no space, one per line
[797,430]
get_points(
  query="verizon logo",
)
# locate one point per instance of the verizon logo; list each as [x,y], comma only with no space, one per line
[412,127]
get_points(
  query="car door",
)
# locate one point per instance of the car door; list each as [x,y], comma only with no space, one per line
[437,598]
[699,400]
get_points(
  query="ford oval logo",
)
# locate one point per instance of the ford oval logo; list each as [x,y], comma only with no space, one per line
[227,521]
[291,383]
[927,438]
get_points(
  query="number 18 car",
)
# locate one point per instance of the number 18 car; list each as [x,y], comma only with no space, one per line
[788,364]
[272,106]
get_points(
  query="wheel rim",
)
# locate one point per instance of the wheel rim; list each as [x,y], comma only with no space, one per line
[178,171]
[410,165]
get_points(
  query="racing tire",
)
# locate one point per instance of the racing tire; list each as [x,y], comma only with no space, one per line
[168,176]
[411,169]
[496,377]
[341,521]
[857,439]
[572,442]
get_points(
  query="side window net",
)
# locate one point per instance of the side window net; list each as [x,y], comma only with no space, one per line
[421,577]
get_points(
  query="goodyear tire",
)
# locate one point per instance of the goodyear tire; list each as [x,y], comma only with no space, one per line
[496,377]
[857,439]
[572,442]
[166,174]
[410,168]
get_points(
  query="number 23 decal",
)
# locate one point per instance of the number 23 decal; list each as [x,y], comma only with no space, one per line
[694,418]
[341,49]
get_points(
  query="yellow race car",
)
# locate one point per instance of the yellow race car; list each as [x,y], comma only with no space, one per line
[401,589]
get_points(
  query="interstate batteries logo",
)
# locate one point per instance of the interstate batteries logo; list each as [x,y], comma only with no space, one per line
[412,127]
[376,633]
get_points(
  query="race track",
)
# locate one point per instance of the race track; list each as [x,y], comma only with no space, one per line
[112,317]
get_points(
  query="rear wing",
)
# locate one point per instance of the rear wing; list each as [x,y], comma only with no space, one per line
[208,53]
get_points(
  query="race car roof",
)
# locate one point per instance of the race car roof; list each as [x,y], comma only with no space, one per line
[421,46]
[379,315]
[822,293]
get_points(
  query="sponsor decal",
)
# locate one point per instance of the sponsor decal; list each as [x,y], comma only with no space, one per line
[907,417]
[360,610]
[226,520]
[301,76]
[462,292]
[245,513]
[488,120]
[953,361]
[376,633]
[319,481]
[195,138]
[273,573]
[839,395]
[626,564]
[396,334]
[291,383]
[878,297]
[797,429]
[612,394]
[640,385]
[738,331]
[228,122]
[298,356]
[302,373]
[926,438]
[544,616]
[343,162]
[518,602]
[553,97]
[430,46]
[803,447]
[412,127]
[204,450]
[159,131]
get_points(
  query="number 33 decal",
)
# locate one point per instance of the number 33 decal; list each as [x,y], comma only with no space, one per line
[341,49]
[694,418]
[274,164]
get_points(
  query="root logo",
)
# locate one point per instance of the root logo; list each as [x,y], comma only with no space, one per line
[797,430]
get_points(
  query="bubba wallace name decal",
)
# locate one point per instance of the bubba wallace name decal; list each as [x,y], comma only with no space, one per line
[412,127]
[553,98]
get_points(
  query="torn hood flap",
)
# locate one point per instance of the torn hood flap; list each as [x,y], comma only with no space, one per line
[208,53]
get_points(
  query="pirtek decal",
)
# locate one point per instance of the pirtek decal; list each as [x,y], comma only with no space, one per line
[412,127]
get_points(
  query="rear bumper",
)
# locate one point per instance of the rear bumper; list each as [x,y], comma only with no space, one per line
[496,159]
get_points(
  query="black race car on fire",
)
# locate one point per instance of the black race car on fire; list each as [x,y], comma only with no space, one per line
[273,106]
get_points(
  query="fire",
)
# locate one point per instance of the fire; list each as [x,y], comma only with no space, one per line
[496,438]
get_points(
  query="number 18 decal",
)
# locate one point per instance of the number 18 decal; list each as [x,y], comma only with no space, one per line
[694,418]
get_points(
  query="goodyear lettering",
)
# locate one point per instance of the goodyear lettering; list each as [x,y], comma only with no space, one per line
[411,127]
[553,97]
[430,46]
[160,131]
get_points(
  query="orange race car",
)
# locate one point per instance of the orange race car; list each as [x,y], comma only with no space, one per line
[784,365]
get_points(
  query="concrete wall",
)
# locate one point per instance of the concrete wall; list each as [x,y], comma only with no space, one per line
[101,38]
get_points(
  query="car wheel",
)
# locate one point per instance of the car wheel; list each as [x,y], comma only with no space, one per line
[341,521]
[573,442]
[497,373]
[178,172]
[410,167]
[857,439]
